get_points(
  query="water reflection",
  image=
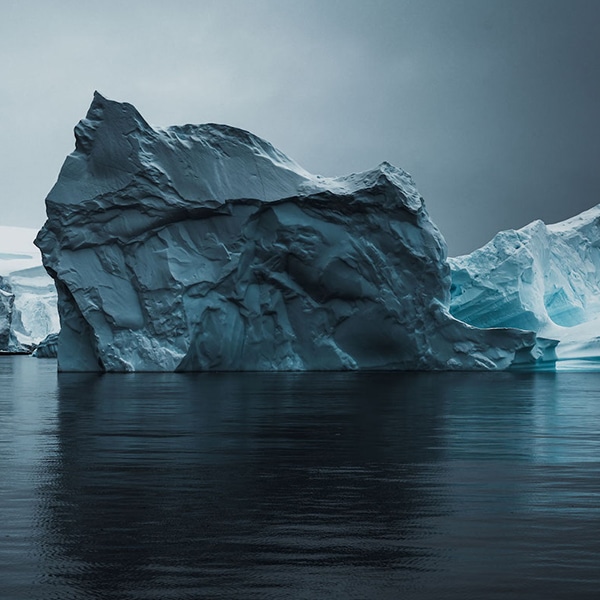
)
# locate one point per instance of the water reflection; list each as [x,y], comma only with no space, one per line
[244,484]
[356,485]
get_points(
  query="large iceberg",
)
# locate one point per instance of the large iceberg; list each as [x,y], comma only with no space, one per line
[545,278]
[202,247]
[28,311]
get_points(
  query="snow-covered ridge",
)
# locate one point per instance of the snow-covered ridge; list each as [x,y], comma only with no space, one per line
[203,247]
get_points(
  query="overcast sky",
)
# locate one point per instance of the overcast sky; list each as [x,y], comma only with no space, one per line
[491,105]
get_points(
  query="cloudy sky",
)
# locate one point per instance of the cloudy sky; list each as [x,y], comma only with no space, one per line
[491,105]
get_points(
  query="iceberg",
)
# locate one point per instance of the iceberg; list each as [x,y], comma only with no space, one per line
[544,278]
[8,340]
[203,247]
[48,347]
[28,311]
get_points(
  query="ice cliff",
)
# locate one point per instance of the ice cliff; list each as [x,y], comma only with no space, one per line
[8,316]
[545,278]
[28,310]
[203,247]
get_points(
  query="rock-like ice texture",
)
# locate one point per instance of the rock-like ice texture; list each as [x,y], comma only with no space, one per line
[203,247]
[28,311]
[545,278]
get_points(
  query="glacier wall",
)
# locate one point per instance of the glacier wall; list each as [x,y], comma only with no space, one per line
[8,340]
[28,311]
[203,247]
[544,278]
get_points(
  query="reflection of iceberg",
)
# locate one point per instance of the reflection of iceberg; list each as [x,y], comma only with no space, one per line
[216,478]
[545,278]
[28,311]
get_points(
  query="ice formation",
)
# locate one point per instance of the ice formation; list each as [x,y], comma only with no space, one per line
[203,247]
[544,278]
[28,311]
[48,347]
[8,340]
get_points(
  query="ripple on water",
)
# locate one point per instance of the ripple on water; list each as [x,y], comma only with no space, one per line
[338,485]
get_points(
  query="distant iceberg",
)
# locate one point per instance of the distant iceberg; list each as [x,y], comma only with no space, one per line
[48,347]
[545,278]
[202,247]
[28,311]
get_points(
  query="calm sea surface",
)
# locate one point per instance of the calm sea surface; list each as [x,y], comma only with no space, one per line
[309,486]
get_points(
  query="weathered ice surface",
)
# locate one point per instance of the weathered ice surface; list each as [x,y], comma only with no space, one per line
[48,347]
[8,340]
[545,278]
[28,311]
[203,247]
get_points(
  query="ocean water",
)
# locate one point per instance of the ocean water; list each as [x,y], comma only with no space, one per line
[298,485]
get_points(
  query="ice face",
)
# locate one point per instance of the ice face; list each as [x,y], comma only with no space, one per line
[8,342]
[28,311]
[48,347]
[203,247]
[543,277]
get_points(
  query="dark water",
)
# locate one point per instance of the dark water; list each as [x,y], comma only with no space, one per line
[348,486]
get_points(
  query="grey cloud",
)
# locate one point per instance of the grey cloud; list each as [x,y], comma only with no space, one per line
[491,105]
